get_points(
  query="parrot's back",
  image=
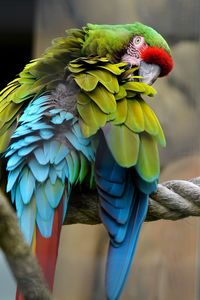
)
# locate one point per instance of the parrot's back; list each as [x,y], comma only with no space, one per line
[77,117]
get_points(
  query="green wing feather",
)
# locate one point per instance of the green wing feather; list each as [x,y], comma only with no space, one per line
[135,116]
[39,75]
[123,143]
[148,165]
[112,102]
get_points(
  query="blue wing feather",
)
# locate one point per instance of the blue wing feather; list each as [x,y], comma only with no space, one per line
[32,139]
[43,164]
[46,134]
[39,171]
[53,149]
[112,188]
[52,175]
[27,185]
[40,156]
[12,177]
[44,226]
[26,150]
[61,154]
[18,202]
[43,206]
[120,214]
[54,192]
[27,221]
[14,161]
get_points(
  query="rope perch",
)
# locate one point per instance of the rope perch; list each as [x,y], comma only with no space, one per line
[174,199]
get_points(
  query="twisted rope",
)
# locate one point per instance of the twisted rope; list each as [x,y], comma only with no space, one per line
[173,200]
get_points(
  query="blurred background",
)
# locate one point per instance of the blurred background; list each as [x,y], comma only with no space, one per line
[167,264]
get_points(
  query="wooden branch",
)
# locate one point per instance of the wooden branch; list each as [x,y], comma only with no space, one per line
[22,263]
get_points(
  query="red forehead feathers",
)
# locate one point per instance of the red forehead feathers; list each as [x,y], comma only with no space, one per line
[159,57]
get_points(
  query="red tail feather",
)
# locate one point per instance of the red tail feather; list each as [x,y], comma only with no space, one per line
[47,249]
[19,296]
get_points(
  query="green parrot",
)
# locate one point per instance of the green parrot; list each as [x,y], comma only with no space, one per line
[76,117]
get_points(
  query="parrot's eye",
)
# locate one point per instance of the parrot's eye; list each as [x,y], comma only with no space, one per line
[138,41]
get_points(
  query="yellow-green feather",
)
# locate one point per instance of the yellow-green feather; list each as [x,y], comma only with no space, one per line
[107,79]
[135,117]
[124,144]
[120,115]
[92,115]
[104,99]
[86,81]
[148,164]
[114,104]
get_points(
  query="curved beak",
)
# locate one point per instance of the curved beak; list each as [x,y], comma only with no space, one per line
[149,72]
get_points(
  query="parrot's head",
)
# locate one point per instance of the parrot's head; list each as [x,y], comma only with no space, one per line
[152,56]
[137,44]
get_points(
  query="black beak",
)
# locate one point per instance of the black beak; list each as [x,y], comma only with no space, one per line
[149,72]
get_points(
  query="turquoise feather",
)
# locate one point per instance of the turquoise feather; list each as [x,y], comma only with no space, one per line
[31,139]
[46,134]
[40,156]
[53,149]
[55,111]
[40,172]
[27,221]
[57,119]
[14,162]
[54,192]
[61,154]
[50,164]
[52,175]
[12,177]
[39,126]
[20,132]
[45,227]
[27,185]
[18,202]
[43,206]
[26,150]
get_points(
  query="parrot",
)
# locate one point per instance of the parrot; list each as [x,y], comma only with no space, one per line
[76,118]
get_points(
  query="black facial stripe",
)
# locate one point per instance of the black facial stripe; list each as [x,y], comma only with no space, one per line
[132,51]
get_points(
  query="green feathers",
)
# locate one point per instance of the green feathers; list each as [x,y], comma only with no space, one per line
[107,40]
[40,75]
[107,98]
[110,101]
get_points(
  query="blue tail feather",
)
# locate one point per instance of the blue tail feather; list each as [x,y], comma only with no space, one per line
[115,202]
[120,258]
[120,214]
[123,207]
[113,188]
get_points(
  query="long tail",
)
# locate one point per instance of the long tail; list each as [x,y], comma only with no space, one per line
[123,208]
[46,249]
[120,258]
